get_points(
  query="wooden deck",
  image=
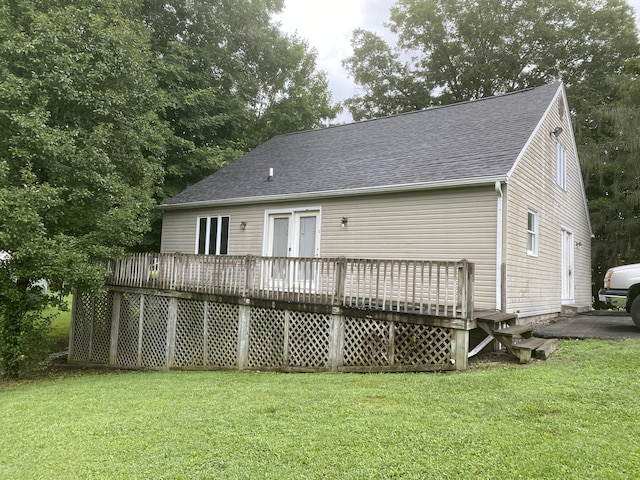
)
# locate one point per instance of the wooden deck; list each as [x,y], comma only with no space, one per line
[288,314]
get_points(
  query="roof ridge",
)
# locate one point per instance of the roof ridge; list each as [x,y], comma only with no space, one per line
[413,112]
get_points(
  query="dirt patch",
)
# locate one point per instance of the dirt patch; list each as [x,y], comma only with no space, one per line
[492,359]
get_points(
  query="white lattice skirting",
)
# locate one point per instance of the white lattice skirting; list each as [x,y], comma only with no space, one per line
[137,330]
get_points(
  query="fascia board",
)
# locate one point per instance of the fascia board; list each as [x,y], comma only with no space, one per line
[411,187]
[536,130]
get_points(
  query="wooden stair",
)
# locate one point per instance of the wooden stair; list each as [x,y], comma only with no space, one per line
[517,339]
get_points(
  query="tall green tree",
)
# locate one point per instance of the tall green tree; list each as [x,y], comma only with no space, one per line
[609,149]
[231,80]
[81,148]
[390,85]
[293,95]
[462,49]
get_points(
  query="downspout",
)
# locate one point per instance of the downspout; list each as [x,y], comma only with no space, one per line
[498,187]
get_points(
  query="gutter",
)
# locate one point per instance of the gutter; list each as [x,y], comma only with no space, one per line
[499,232]
[409,187]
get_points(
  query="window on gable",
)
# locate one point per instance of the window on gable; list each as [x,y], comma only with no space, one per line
[213,235]
[561,166]
[532,233]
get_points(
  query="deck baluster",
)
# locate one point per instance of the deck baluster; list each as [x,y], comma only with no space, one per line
[433,288]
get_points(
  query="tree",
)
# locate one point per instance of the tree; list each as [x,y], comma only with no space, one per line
[462,49]
[80,153]
[391,86]
[231,80]
[609,146]
[293,95]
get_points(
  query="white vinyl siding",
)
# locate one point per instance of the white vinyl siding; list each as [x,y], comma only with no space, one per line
[534,284]
[447,224]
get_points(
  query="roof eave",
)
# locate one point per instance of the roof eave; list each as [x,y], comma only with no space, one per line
[410,187]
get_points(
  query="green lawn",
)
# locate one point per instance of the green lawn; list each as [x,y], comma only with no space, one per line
[574,416]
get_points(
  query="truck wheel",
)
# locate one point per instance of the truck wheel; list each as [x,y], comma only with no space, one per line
[635,311]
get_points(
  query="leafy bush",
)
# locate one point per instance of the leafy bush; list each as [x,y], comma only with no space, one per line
[24,344]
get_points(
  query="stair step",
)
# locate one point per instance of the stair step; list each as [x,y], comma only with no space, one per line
[530,343]
[524,330]
[495,317]
[570,309]
[544,351]
[492,320]
[523,349]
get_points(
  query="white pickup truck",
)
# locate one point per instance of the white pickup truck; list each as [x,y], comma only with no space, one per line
[622,289]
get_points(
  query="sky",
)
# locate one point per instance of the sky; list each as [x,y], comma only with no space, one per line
[327,26]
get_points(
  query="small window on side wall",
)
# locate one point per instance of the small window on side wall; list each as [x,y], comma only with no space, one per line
[213,235]
[561,166]
[532,233]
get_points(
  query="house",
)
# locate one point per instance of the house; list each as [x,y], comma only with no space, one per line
[495,181]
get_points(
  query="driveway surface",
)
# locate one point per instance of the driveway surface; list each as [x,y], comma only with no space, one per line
[602,325]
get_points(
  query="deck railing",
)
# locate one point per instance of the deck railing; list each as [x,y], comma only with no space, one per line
[436,288]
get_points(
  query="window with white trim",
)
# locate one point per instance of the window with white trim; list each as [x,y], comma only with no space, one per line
[561,166]
[532,233]
[212,237]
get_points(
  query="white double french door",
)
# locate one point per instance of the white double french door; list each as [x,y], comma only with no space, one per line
[290,235]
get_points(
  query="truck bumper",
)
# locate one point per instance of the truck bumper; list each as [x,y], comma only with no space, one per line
[614,298]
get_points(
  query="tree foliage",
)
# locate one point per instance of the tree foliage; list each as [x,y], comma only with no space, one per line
[293,95]
[100,100]
[390,85]
[80,152]
[609,147]
[459,50]
[231,80]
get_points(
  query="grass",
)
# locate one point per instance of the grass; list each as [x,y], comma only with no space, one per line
[60,324]
[574,416]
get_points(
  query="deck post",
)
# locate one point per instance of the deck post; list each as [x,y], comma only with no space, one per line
[205,334]
[461,349]
[285,338]
[465,282]
[470,278]
[340,277]
[249,266]
[74,313]
[244,316]
[391,351]
[336,340]
[115,326]
[140,329]
[171,331]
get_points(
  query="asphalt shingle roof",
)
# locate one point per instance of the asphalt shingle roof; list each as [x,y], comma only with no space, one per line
[480,138]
